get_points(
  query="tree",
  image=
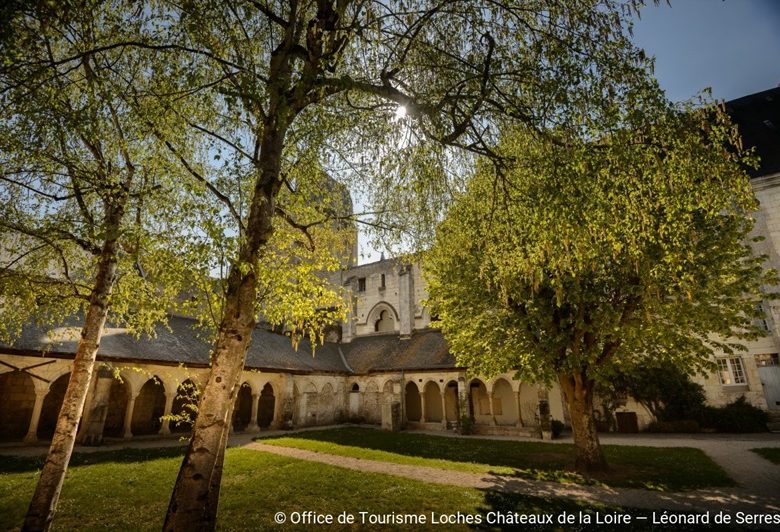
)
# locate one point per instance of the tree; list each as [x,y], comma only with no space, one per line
[88,198]
[326,78]
[581,261]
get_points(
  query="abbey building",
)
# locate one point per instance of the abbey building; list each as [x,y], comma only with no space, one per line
[387,366]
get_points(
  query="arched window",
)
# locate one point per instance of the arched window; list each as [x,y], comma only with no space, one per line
[355,387]
[385,323]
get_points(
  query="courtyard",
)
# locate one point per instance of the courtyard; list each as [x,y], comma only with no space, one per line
[370,474]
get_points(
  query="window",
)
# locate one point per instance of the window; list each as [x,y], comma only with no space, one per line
[731,371]
[382,282]
[355,387]
[770,359]
[761,321]
[361,284]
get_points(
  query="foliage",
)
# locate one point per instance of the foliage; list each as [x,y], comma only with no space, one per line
[667,392]
[581,261]
[739,416]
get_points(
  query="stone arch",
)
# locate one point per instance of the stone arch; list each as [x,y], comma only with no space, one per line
[242,410]
[327,405]
[479,404]
[379,313]
[388,393]
[149,408]
[117,408]
[432,399]
[17,399]
[265,412]
[185,406]
[504,403]
[451,402]
[413,402]
[51,407]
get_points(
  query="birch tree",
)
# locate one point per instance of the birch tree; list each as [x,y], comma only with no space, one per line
[332,77]
[88,201]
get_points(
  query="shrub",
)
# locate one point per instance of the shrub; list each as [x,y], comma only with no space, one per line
[466,425]
[738,416]
[556,427]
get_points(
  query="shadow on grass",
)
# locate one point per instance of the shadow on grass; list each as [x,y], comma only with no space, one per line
[631,466]
[503,510]
[19,464]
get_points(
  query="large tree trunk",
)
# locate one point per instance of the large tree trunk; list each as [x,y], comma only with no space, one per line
[47,492]
[589,457]
[193,504]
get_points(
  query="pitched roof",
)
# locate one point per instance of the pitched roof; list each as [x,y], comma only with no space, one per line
[424,350]
[758,119]
[182,344]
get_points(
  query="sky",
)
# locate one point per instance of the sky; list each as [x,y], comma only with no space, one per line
[730,46]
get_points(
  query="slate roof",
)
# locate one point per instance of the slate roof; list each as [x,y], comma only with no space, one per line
[182,344]
[758,119]
[424,350]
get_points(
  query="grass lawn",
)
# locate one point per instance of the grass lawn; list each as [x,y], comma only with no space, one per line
[770,453]
[664,469]
[128,490]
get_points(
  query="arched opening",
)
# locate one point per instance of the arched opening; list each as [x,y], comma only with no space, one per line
[327,405]
[265,414]
[385,323]
[149,408]
[242,411]
[51,407]
[185,407]
[117,407]
[451,406]
[413,403]
[17,398]
[504,403]
[433,411]
[355,388]
[479,405]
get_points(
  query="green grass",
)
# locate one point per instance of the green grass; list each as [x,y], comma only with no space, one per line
[770,453]
[128,490]
[664,469]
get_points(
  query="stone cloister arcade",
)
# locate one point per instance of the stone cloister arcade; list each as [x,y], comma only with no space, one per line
[123,402]
[148,400]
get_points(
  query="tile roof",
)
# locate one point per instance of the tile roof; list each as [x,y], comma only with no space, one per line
[182,344]
[426,349]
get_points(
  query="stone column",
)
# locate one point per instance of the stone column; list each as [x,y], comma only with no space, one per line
[444,408]
[165,429]
[253,427]
[422,406]
[32,431]
[127,432]
[490,406]
[519,410]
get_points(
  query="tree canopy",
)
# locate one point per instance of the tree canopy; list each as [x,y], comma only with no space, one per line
[581,261]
